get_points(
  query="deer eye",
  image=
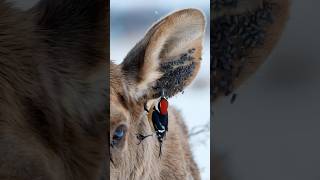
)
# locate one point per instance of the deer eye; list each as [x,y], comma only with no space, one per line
[118,135]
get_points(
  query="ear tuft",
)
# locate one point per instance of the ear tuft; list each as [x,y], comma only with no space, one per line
[177,73]
[241,42]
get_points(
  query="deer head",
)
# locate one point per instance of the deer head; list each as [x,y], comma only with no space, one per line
[168,58]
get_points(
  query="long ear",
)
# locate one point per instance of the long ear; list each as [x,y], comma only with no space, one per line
[242,38]
[168,57]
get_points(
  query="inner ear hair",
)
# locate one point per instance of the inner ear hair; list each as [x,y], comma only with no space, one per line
[169,55]
[176,73]
[240,43]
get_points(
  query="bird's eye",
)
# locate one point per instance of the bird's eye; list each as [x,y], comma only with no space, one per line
[119,135]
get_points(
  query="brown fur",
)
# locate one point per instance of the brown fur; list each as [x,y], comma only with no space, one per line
[131,86]
[52,90]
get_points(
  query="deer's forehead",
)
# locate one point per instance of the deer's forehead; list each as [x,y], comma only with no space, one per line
[117,110]
[115,76]
[118,93]
[119,105]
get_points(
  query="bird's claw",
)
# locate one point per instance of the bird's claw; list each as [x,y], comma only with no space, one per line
[141,137]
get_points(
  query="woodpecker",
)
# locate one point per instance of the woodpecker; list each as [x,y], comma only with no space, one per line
[158,119]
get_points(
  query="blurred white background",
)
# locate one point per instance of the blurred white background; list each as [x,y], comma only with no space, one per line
[129,22]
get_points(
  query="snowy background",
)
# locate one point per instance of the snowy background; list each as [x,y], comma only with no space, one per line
[129,22]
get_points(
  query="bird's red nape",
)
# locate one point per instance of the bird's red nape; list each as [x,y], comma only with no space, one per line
[163,106]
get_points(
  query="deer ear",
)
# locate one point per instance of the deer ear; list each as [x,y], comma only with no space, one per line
[168,57]
[242,40]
